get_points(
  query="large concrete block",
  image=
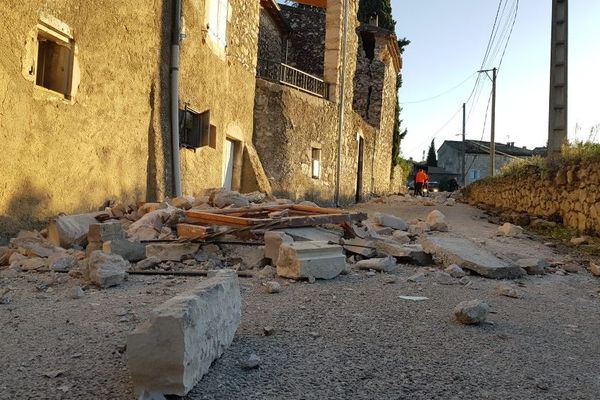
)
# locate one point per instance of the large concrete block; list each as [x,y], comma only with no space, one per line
[310,259]
[105,232]
[171,352]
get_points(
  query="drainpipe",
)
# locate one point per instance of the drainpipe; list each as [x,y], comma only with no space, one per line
[341,105]
[175,41]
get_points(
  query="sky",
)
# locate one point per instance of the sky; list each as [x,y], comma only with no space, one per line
[448,43]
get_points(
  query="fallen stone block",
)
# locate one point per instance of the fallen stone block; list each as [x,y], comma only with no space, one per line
[439,227]
[401,237]
[273,287]
[435,217]
[443,278]
[171,251]
[417,278]
[419,228]
[467,255]
[408,253]
[128,249]
[312,234]
[472,312]
[510,230]
[104,232]
[171,352]
[147,263]
[71,230]
[533,266]
[390,221]
[182,202]
[106,270]
[310,259]
[595,269]
[273,241]
[5,254]
[267,272]
[31,244]
[223,198]
[387,264]
[33,264]
[62,262]
[365,248]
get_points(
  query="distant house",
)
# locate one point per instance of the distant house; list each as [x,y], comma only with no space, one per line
[477,159]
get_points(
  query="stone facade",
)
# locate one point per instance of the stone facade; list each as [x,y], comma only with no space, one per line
[306,47]
[571,194]
[272,40]
[109,137]
[289,125]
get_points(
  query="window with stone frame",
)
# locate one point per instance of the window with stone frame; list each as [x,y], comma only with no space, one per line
[217,20]
[54,65]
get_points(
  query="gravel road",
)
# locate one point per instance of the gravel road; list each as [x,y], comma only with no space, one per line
[349,338]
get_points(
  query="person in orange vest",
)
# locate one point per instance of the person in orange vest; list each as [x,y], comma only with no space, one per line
[420,181]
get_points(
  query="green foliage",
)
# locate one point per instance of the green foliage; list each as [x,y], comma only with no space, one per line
[523,166]
[432,155]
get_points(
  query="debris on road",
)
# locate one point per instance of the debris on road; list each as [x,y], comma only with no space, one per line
[472,312]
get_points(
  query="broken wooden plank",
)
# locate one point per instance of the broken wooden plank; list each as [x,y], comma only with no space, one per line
[219,219]
[189,231]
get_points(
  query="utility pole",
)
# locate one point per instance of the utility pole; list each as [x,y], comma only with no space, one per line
[559,74]
[493,134]
[464,147]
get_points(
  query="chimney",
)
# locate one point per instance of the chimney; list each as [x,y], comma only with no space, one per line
[374,19]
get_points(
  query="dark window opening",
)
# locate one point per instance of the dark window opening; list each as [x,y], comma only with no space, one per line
[196,130]
[368,42]
[54,64]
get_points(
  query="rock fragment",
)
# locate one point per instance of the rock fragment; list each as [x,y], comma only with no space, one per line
[106,270]
[508,291]
[252,362]
[320,260]
[455,271]
[387,264]
[147,263]
[533,266]
[435,217]
[273,287]
[595,269]
[390,221]
[510,230]
[578,241]
[472,312]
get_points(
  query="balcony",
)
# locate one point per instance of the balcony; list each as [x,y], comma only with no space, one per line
[290,76]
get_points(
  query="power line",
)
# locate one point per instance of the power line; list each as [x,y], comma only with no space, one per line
[441,94]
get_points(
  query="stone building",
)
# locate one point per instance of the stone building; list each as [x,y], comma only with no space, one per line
[85,102]
[92,103]
[323,123]
[477,157]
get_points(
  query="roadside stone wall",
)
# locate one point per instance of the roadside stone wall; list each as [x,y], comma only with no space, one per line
[306,49]
[270,41]
[571,194]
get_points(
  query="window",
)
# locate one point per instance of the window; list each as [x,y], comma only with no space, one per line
[196,130]
[217,20]
[475,174]
[54,67]
[316,163]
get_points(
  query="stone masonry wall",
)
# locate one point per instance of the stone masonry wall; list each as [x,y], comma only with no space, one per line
[221,80]
[306,49]
[572,193]
[271,44]
[289,123]
[369,79]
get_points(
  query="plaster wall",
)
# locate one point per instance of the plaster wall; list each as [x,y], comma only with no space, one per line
[69,155]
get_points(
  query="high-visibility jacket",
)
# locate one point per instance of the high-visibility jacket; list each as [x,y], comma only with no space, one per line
[421,177]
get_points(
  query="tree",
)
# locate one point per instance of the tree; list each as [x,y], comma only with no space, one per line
[431,155]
